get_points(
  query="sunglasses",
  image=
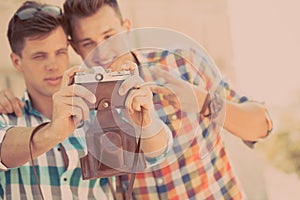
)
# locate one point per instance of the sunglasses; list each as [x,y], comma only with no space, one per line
[28,13]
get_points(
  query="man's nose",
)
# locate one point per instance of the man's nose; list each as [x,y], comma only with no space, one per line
[52,64]
[93,59]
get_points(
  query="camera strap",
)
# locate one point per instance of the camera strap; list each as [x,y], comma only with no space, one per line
[132,175]
[119,187]
[34,131]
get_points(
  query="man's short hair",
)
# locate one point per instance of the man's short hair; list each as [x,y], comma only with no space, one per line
[85,8]
[32,19]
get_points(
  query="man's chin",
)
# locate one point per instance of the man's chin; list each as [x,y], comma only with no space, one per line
[50,91]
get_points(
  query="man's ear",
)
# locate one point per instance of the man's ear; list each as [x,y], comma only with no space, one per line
[126,24]
[16,60]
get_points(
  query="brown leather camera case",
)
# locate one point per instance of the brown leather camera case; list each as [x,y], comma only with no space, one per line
[111,150]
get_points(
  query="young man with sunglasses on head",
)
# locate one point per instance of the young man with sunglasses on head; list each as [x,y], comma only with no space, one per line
[52,110]
[190,177]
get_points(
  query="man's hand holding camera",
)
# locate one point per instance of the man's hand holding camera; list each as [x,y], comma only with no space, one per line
[139,101]
[141,111]
[69,107]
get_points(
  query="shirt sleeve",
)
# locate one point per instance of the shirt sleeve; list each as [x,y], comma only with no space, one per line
[156,160]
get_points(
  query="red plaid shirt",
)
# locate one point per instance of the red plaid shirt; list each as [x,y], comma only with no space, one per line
[190,176]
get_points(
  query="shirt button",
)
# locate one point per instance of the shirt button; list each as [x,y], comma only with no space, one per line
[160,181]
[174,117]
[65,179]
[58,149]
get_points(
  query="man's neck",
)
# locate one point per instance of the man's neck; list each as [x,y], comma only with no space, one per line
[42,104]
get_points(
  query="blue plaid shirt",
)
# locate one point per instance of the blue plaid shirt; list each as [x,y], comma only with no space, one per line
[56,181]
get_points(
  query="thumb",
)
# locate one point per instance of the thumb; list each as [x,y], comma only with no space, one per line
[130,83]
[159,89]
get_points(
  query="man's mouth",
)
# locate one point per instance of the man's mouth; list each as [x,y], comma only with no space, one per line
[105,63]
[54,80]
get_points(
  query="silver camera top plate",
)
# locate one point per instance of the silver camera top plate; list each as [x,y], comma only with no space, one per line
[99,74]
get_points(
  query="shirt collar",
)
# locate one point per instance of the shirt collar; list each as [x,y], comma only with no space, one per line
[28,105]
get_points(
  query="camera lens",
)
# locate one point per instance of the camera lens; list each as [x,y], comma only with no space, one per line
[99,77]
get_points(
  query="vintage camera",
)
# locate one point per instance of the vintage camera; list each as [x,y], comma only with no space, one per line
[112,147]
[104,84]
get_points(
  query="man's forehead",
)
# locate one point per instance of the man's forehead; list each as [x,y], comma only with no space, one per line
[53,40]
[99,23]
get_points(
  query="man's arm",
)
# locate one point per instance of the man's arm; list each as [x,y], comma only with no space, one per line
[248,120]
[69,108]
[15,146]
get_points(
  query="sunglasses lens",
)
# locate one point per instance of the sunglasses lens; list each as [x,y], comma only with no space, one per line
[52,10]
[27,13]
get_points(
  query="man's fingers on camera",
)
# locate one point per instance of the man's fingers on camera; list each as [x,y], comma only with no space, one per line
[141,102]
[137,95]
[129,99]
[161,90]
[77,114]
[74,104]
[69,74]
[80,103]
[130,83]
[80,91]
[69,112]
[131,66]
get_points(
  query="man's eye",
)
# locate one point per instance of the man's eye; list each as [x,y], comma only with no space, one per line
[107,36]
[62,52]
[90,44]
[39,57]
